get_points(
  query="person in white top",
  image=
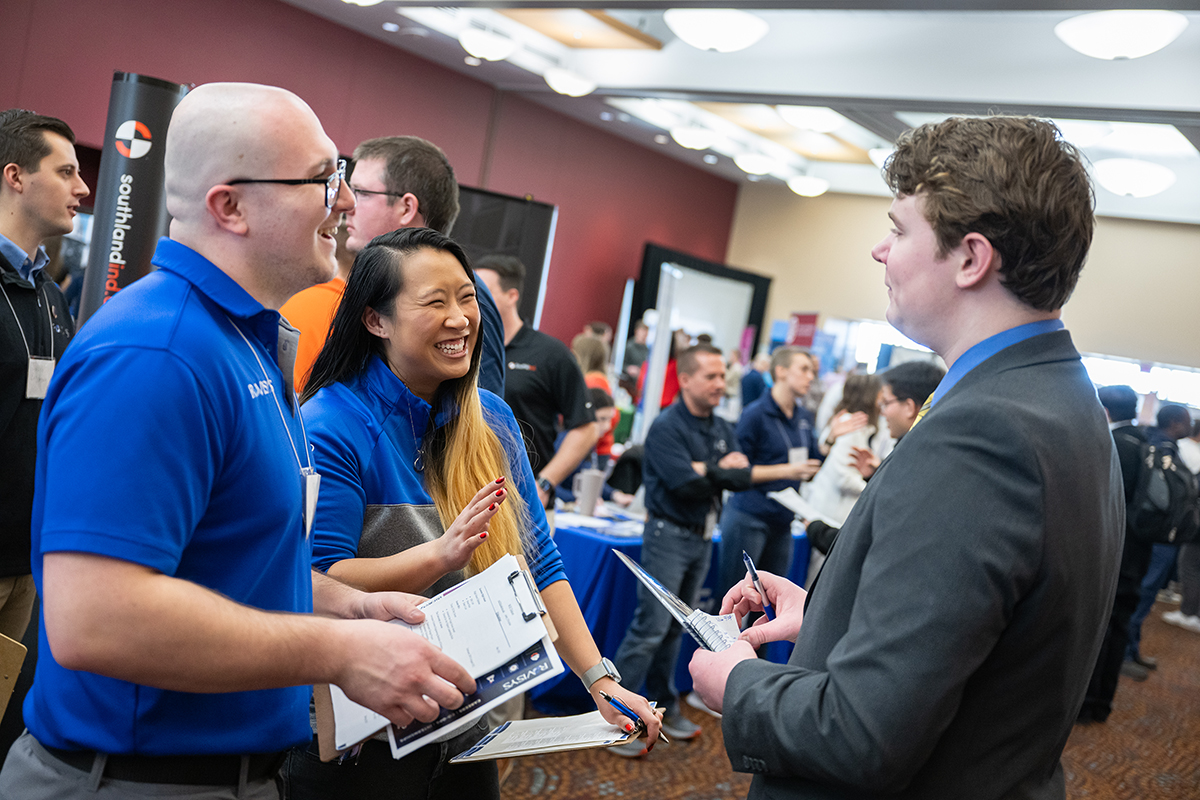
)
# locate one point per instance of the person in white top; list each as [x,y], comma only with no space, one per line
[838,484]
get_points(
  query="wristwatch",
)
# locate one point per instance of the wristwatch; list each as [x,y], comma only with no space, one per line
[605,667]
[545,485]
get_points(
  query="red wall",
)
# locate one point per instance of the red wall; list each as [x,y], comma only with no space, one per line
[613,196]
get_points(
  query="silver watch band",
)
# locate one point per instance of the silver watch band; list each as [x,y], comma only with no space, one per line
[604,668]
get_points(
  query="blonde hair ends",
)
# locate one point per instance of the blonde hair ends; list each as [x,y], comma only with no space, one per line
[474,456]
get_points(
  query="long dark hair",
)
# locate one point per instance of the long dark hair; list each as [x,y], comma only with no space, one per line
[464,453]
[376,279]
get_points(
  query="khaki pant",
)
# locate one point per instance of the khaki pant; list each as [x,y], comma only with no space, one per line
[16,604]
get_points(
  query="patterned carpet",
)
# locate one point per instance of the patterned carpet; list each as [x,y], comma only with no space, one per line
[1148,750]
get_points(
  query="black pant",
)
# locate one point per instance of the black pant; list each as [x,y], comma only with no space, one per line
[375,775]
[1135,559]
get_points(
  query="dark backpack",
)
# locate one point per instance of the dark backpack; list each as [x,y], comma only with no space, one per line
[1164,507]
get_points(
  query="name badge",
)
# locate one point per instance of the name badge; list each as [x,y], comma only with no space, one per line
[37,380]
[312,487]
[797,455]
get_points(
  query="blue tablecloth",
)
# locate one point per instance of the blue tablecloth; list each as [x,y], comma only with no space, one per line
[607,594]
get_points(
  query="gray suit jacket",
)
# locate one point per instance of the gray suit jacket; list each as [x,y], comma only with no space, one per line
[950,637]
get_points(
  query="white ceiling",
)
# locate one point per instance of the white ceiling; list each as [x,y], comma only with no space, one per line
[882,69]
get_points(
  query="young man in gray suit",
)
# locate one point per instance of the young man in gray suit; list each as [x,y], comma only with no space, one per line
[947,643]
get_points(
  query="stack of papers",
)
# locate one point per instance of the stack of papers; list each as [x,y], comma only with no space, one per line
[790,499]
[530,737]
[490,623]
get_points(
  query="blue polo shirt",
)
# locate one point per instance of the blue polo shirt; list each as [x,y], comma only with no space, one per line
[766,435]
[161,443]
[365,434]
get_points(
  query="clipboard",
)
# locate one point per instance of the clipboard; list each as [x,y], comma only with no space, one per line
[323,699]
[710,632]
[12,656]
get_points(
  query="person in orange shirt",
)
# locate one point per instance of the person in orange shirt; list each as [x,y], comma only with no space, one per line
[399,182]
[592,354]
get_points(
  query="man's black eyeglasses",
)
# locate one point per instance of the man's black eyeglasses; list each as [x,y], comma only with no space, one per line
[333,184]
[358,191]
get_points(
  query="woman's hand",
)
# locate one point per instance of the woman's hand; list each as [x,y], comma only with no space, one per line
[652,717]
[470,528]
[846,423]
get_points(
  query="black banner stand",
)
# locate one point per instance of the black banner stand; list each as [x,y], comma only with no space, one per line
[131,209]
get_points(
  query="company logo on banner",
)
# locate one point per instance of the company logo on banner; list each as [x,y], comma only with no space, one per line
[127,139]
[801,329]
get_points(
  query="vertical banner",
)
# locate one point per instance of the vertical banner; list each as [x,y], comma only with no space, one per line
[801,328]
[131,207]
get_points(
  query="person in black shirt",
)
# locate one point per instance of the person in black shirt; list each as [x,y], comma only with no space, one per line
[39,193]
[542,383]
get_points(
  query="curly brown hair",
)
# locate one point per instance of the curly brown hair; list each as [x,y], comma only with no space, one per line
[1013,180]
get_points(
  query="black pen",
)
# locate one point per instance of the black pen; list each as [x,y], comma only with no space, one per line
[770,612]
[629,712]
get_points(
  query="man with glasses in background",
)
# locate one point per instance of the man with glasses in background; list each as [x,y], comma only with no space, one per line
[175,491]
[399,182]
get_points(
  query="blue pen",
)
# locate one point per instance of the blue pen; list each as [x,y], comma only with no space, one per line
[770,612]
[629,712]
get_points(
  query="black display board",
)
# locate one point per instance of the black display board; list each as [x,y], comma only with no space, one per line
[490,222]
[645,290]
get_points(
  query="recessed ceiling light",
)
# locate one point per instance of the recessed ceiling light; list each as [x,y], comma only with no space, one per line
[488,45]
[1121,34]
[472,61]
[606,116]
[661,138]
[1132,177]
[572,84]
[391,27]
[362,2]
[808,186]
[755,163]
[812,118]
[694,137]
[711,159]
[725,30]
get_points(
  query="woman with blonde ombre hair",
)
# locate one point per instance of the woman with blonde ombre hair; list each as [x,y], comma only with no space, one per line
[403,439]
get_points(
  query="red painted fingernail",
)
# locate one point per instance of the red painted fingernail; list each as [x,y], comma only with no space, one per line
[492,507]
[628,726]
[500,479]
[483,535]
[500,493]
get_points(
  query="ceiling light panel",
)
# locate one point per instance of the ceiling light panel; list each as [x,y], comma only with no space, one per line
[725,30]
[1121,34]
[1131,177]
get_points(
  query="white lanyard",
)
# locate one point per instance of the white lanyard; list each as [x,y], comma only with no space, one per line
[39,369]
[312,481]
[303,469]
[21,328]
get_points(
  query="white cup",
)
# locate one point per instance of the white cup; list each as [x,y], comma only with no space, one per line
[586,487]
